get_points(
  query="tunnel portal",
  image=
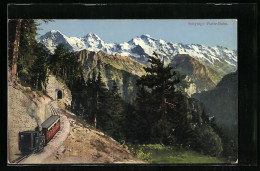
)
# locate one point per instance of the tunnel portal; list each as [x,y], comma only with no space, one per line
[59,94]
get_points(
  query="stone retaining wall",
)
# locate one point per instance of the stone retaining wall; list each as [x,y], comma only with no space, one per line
[54,86]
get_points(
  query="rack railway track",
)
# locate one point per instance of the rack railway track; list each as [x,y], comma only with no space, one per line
[25,156]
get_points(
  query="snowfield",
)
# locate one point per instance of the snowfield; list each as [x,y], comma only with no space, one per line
[140,47]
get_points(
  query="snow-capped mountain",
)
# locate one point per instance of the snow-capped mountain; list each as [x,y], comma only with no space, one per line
[141,47]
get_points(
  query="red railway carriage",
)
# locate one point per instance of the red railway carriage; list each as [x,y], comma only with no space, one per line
[50,127]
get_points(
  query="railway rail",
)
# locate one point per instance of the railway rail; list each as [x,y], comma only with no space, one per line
[24,156]
[52,109]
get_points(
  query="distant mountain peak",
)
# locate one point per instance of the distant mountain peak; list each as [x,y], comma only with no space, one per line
[93,36]
[53,34]
[55,31]
[145,36]
[140,47]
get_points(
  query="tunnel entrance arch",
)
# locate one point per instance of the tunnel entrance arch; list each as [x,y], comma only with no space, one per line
[59,94]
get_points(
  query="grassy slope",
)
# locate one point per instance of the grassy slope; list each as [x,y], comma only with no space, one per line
[158,154]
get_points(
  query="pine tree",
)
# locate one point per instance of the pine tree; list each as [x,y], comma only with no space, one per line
[96,93]
[159,79]
[143,117]
[59,59]
[28,45]
[100,96]
[25,52]
[114,124]
[39,69]
[21,46]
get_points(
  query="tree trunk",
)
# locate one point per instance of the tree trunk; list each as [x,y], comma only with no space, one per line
[164,111]
[37,79]
[96,112]
[46,79]
[63,74]
[95,122]
[16,47]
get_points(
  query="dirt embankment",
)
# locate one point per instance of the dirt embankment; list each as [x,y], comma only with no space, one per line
[86,145]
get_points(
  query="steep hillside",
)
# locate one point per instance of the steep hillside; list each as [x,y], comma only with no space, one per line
[85,145]
[222,102]
[123,70]
[195,69]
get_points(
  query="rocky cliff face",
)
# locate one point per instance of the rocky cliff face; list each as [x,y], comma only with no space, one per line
[196,70]
[123,70]
[186,86]
[92,59]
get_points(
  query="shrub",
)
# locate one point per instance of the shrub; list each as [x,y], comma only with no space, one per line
[207,141]
[24,78]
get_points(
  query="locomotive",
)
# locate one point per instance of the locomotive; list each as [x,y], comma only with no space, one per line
[30,141]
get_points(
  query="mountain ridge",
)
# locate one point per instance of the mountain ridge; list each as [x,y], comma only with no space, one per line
[195,69]
[140,47]
[123,70]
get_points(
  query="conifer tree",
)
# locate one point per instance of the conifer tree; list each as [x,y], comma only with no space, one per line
[159,79]
[39,68]
[58,60]
[28,45]
[101,96]
[143,116]
[115,113]
[25,52]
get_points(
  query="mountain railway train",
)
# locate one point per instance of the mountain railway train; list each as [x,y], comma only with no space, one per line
[30,141]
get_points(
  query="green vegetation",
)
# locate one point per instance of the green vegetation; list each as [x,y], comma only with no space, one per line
[158,114]
[162,115]
[160,154]
[220,102]
[32,57]
[66,66]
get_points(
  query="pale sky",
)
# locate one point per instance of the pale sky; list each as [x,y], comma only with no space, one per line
[208,32]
